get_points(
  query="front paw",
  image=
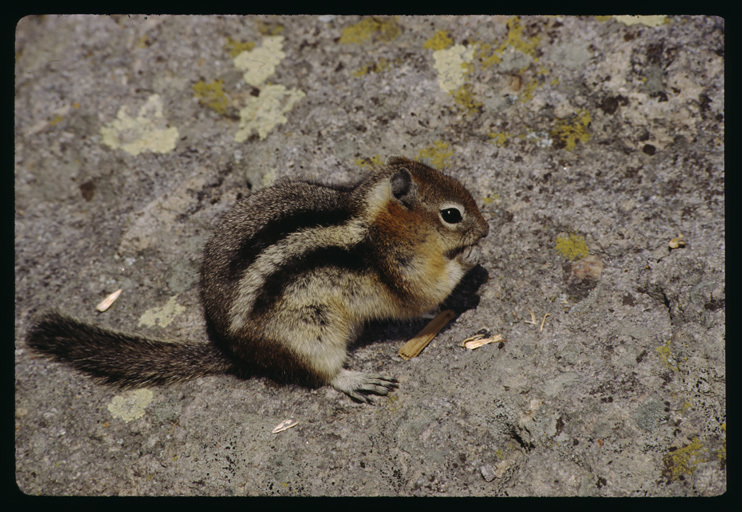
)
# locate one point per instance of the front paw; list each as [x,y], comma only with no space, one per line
[359,386]
[471,256]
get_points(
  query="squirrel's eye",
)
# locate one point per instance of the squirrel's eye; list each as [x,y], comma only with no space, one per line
[451,215]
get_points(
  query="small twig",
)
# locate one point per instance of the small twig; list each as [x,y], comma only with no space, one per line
[477,341]
[284,425]
[543,322]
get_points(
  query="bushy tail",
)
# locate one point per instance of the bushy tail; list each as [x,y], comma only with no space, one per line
[123,359]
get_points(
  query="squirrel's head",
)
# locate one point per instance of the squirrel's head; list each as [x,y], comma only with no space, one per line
[429,210]
[441,203]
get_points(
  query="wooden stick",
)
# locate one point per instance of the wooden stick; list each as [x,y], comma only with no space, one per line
[421,340]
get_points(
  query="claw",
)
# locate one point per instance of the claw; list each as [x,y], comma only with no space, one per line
[359,386]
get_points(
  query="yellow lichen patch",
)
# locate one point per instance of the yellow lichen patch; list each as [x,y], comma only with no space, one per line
[499,138]
[487,56]
[162,316]
[514,39]
[371,28]
[147,131]
[721,453]
[376,67]
[665,353]
[572,247]
[269,29]
[567,132]
[440,41]
[370,163]
[464,97]
[682,462]
[56,120]
[528,89]
[437,153]
[211,95]
[266,111]
[235,47]
[489,199]
[261,63]
[130,405]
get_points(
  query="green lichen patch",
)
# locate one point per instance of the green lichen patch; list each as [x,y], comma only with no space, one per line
[378,29]
[261,63]
[130,405]
[266,111]
[211,95]
[452,66]
[147,132]
[162,316]
[650,21]
[573,247]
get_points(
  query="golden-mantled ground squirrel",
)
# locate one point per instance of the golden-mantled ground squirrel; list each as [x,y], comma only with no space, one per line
[291,275]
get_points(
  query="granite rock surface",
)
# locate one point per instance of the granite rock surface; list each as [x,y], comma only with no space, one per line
[594,146]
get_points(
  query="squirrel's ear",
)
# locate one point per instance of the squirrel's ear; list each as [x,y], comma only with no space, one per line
[394,159]
[403,188]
